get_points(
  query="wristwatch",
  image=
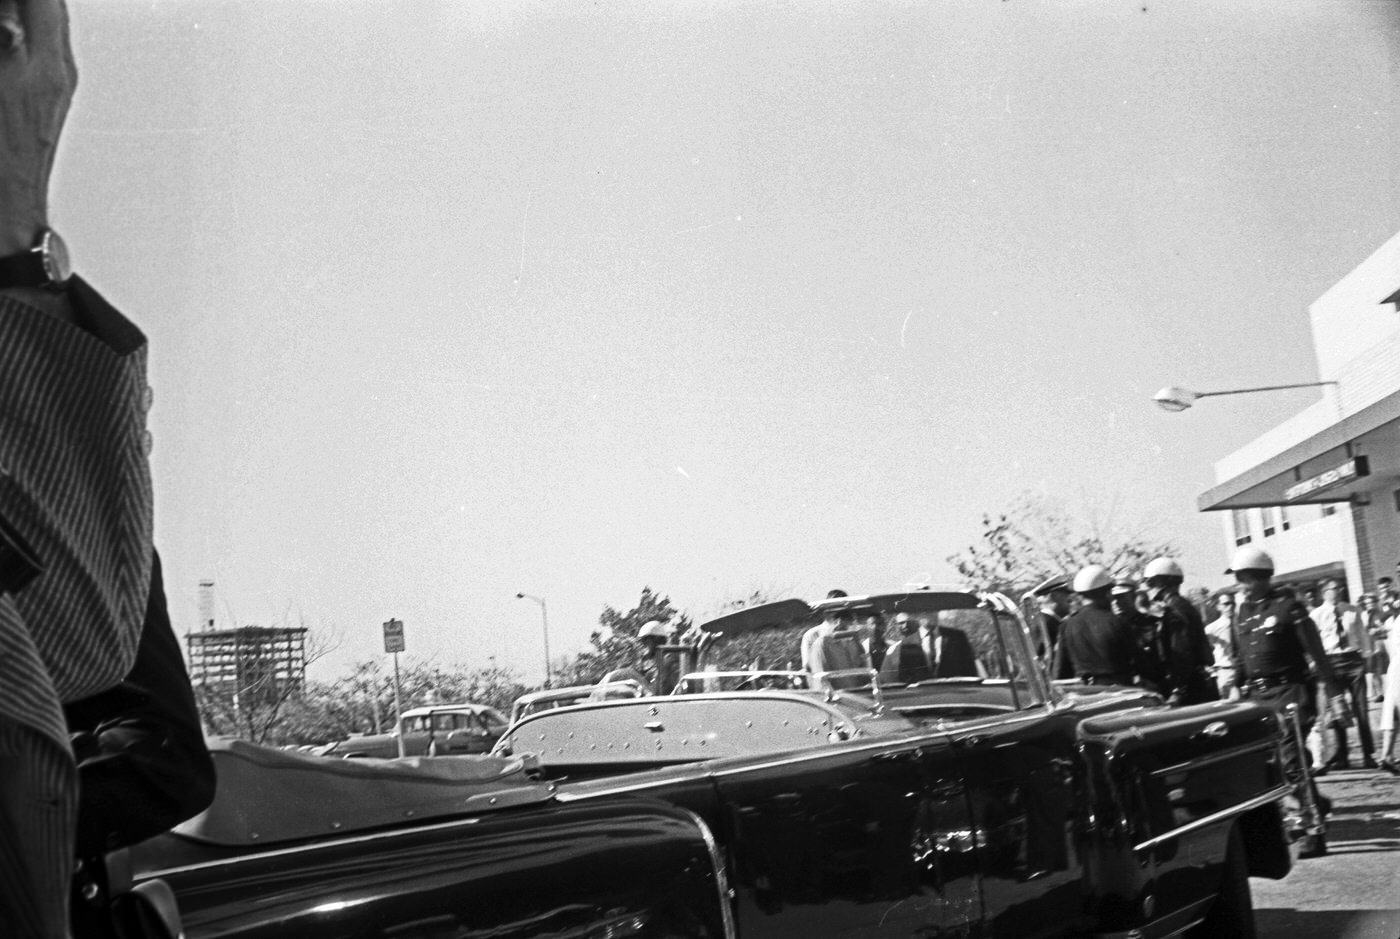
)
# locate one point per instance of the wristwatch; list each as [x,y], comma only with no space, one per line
[44,265]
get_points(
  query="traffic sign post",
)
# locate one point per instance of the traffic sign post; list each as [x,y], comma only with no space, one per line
[393,636]
[393,642]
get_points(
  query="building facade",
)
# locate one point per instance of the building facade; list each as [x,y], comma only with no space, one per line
[1321,491]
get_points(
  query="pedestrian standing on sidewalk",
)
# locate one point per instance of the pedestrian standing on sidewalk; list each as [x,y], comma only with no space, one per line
[1390,699]
[1220,633]
[1368,614]
[1346,645]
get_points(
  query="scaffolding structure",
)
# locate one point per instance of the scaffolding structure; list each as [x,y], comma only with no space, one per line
[249,664]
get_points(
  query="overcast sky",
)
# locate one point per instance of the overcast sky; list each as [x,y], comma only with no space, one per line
[453,300]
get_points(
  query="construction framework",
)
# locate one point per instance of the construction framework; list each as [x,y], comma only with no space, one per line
[250,663]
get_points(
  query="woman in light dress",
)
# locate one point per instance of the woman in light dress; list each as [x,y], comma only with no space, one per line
[1390,704]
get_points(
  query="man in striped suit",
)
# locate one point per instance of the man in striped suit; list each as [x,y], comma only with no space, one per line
[77,564]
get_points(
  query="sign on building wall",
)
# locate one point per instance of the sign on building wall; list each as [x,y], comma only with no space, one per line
[1354,468]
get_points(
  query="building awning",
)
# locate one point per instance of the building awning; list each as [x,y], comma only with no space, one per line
[1321,468]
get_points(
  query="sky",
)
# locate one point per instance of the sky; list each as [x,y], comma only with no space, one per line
[449,301]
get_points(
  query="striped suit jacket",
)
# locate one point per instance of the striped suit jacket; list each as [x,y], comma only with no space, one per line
[76,485]
[76,488]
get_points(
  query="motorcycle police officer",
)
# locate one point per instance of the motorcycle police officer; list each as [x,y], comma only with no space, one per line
[650,672]
[1053,594]
[1274,640]
[1124,603]
[1095,646]
[1182,645]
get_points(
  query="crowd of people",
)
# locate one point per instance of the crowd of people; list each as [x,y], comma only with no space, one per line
[1121,631]
[918,647]
[1321,663]
[1362,644]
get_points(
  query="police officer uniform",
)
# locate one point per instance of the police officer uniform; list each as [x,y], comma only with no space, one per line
[1184,649]
[1124,604]
[1273,667]
[1182,645]
[1095,646]
[1050,620]
[1273,670]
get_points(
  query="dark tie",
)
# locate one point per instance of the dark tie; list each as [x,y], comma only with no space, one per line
[931,651]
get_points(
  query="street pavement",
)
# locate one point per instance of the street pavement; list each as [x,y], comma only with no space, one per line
[1354,891]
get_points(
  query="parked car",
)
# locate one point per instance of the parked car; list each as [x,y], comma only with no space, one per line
[435,730]
[995,805]
[550,698]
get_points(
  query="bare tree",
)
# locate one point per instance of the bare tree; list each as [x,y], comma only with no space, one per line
[1038,537]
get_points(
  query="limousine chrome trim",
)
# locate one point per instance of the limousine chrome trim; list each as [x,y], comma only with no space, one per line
[800,756]
[304,847]
[726,894]
[1217,757]
[1248,805]
[1164,927]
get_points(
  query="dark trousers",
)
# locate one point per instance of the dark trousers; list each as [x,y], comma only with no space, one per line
[1357,706]
[1279,697]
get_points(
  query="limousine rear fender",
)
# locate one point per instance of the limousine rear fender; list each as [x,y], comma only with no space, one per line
[624,868]
[1167,748]
[1165,786]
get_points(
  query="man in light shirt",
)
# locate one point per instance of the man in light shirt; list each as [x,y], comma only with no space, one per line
[1346,643]
[1220,633]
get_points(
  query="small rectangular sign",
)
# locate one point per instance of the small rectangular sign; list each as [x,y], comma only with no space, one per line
[1354,468]
[393,636]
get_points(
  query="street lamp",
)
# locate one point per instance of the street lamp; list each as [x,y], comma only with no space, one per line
[544,613]
[1173,398]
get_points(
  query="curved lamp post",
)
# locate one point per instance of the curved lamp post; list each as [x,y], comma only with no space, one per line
[544,613]
[1173,398]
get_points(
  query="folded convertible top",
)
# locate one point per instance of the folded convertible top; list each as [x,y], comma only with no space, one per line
[270,796]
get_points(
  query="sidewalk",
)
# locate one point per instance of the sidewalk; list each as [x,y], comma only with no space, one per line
[1353,892]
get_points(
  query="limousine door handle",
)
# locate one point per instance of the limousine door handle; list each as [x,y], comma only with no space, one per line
[1215,729]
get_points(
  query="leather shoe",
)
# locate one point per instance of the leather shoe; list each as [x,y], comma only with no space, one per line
[1312,846]
[1317,771]
[1324,805]
[1338,761]
[1369,763]
[1389,766]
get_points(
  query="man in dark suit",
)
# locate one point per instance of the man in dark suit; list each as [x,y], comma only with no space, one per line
[927,650]
[905,660]
[948,649]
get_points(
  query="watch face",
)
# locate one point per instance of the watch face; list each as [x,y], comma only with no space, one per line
[54,253]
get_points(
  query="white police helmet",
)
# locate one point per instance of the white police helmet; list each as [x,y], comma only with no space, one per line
[1251,558]
[1094,577]
[1162,567]
[654,629]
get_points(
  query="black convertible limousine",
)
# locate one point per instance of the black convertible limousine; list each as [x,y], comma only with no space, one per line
[991,805]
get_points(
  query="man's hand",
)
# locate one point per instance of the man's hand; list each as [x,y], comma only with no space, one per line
[37,79]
